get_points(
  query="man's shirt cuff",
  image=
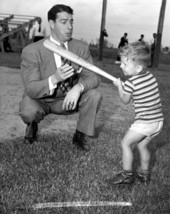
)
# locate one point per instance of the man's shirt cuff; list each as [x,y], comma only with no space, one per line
[81,86]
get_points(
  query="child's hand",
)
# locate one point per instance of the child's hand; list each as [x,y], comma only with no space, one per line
[119,82]
[115,83]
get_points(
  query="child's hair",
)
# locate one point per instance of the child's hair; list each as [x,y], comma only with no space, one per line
[137,52]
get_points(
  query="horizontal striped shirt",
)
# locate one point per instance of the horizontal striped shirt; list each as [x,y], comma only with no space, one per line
[144,91]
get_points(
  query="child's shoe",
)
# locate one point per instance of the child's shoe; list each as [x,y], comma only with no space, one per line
[143,176]
[124,177]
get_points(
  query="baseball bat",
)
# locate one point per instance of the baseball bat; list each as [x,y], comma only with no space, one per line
[76,59]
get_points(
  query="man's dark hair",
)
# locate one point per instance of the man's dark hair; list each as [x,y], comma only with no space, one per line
[58,8]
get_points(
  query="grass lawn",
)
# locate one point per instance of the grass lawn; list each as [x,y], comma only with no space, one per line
[53,170]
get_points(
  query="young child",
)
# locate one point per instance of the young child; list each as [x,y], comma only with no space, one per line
[142,89]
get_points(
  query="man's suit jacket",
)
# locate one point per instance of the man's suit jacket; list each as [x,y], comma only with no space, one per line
[38,64]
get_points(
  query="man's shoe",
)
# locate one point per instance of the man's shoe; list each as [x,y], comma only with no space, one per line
[31,133]
[143,177]
[80,140]
[122,178]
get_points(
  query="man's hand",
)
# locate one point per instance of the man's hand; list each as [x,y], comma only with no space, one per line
[62,73]
[70,101]
[65,72]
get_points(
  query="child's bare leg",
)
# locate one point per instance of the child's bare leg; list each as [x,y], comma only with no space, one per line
[144,153]
[127,176]
[130,138]
[143,171]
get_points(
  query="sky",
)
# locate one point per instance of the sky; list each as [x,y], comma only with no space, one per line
[135,17]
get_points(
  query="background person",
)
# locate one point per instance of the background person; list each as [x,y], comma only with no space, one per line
[153,45]
[6,40]
[51,86]
[122,43]
[37,32]
[141,39]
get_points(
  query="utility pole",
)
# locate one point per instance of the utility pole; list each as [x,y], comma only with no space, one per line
[102,30]
[159,34]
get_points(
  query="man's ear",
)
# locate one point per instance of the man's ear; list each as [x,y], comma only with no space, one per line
[51,23]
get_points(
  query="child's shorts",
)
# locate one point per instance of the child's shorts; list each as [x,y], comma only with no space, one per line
[148,129]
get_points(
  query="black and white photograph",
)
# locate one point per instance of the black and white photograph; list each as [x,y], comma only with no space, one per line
[84,107]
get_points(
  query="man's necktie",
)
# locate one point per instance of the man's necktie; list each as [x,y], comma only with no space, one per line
[65,85]
[63,60]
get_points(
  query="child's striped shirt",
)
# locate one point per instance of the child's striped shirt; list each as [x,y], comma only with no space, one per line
[144,91]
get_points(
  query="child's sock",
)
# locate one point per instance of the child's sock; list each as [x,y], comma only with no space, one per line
[143,176]
[127,172]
